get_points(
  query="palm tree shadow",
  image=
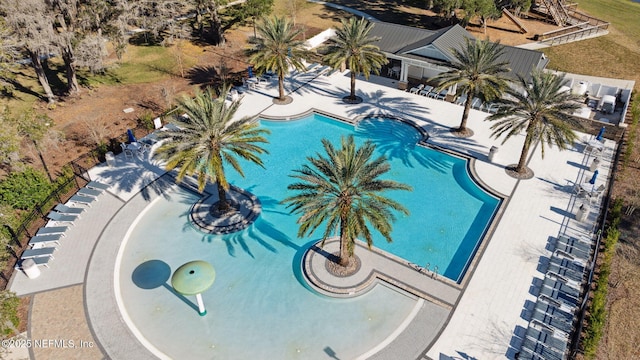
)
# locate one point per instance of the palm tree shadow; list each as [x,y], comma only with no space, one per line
[130,176]
[202,75]
[398,140]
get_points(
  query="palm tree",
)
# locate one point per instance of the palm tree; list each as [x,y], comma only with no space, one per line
[207,139]
[342,190]
[478,72]
[276,49]
[352,46]
[543,111]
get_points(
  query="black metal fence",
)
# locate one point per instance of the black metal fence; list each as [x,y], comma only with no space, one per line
[577,336]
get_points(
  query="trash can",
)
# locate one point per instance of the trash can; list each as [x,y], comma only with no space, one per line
[492,153]
[594,164]
[30,268]
[111,160]
[581,213]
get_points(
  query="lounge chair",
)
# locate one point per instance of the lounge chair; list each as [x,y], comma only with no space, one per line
[68,210]
[573,242]
[476,103]
[84,200]
[35,253]
[543,350]
[562,286]
[442,94]
[128,153]
[579,252]
[461,99]
[559,295]
[39,261]
[89,192]
[426,90]
[97,185]
[40,240]
[52,230]
[554,340]
[415,90]
[554,318]
[56,216]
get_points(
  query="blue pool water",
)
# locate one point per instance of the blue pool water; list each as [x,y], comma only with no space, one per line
[259,306]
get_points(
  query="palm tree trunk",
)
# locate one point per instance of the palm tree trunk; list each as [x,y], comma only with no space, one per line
[465,113]
[223,204]
[42,76]
[352,96]
[281,86]
[344,242]
[521,168]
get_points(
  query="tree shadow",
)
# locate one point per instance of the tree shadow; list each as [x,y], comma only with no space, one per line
[202,75]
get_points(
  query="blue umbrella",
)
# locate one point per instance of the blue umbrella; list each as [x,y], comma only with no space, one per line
[132,137]
[600,133]
[250,71]
[593,178]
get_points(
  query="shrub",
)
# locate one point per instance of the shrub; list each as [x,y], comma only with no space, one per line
[22,190]
[598,308]
[9,319]
[146,120]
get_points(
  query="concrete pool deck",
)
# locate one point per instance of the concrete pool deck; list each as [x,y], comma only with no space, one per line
[486,314]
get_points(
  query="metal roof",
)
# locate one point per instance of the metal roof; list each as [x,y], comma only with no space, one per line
[394,37]
[401,40]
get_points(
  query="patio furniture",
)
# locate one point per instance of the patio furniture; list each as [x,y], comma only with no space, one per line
[414,90]
[44,240]
[128,154]
[476,103]
[38,261]
[50,230]
[442,94]
[35,253]
[68,210]
[97,185]
[426,90]
[58,217]
[84,200]
[89,192]
[461,99]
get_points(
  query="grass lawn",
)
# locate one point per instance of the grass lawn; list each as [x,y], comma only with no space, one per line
[614,55]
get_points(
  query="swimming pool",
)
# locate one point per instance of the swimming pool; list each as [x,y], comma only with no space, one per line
[259,289]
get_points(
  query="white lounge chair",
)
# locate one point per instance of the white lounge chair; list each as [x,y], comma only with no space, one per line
[36,253]
[39,261]
[442,94]
[415,90]
[51,230]
[84,200]
[128,153]
[89,192]
[44,240]
[56,216]
[425,92]
[68,210]
[97,185]
[461,99]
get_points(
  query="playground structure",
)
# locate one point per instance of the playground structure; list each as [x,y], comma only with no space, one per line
[574,24]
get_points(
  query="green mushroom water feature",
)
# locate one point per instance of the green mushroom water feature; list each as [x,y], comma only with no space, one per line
[193,278]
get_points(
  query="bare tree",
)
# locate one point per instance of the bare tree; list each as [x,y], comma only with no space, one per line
[65,16]
[8,56]
[34,31]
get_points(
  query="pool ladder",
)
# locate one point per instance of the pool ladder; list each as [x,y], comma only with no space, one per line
[434,273]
